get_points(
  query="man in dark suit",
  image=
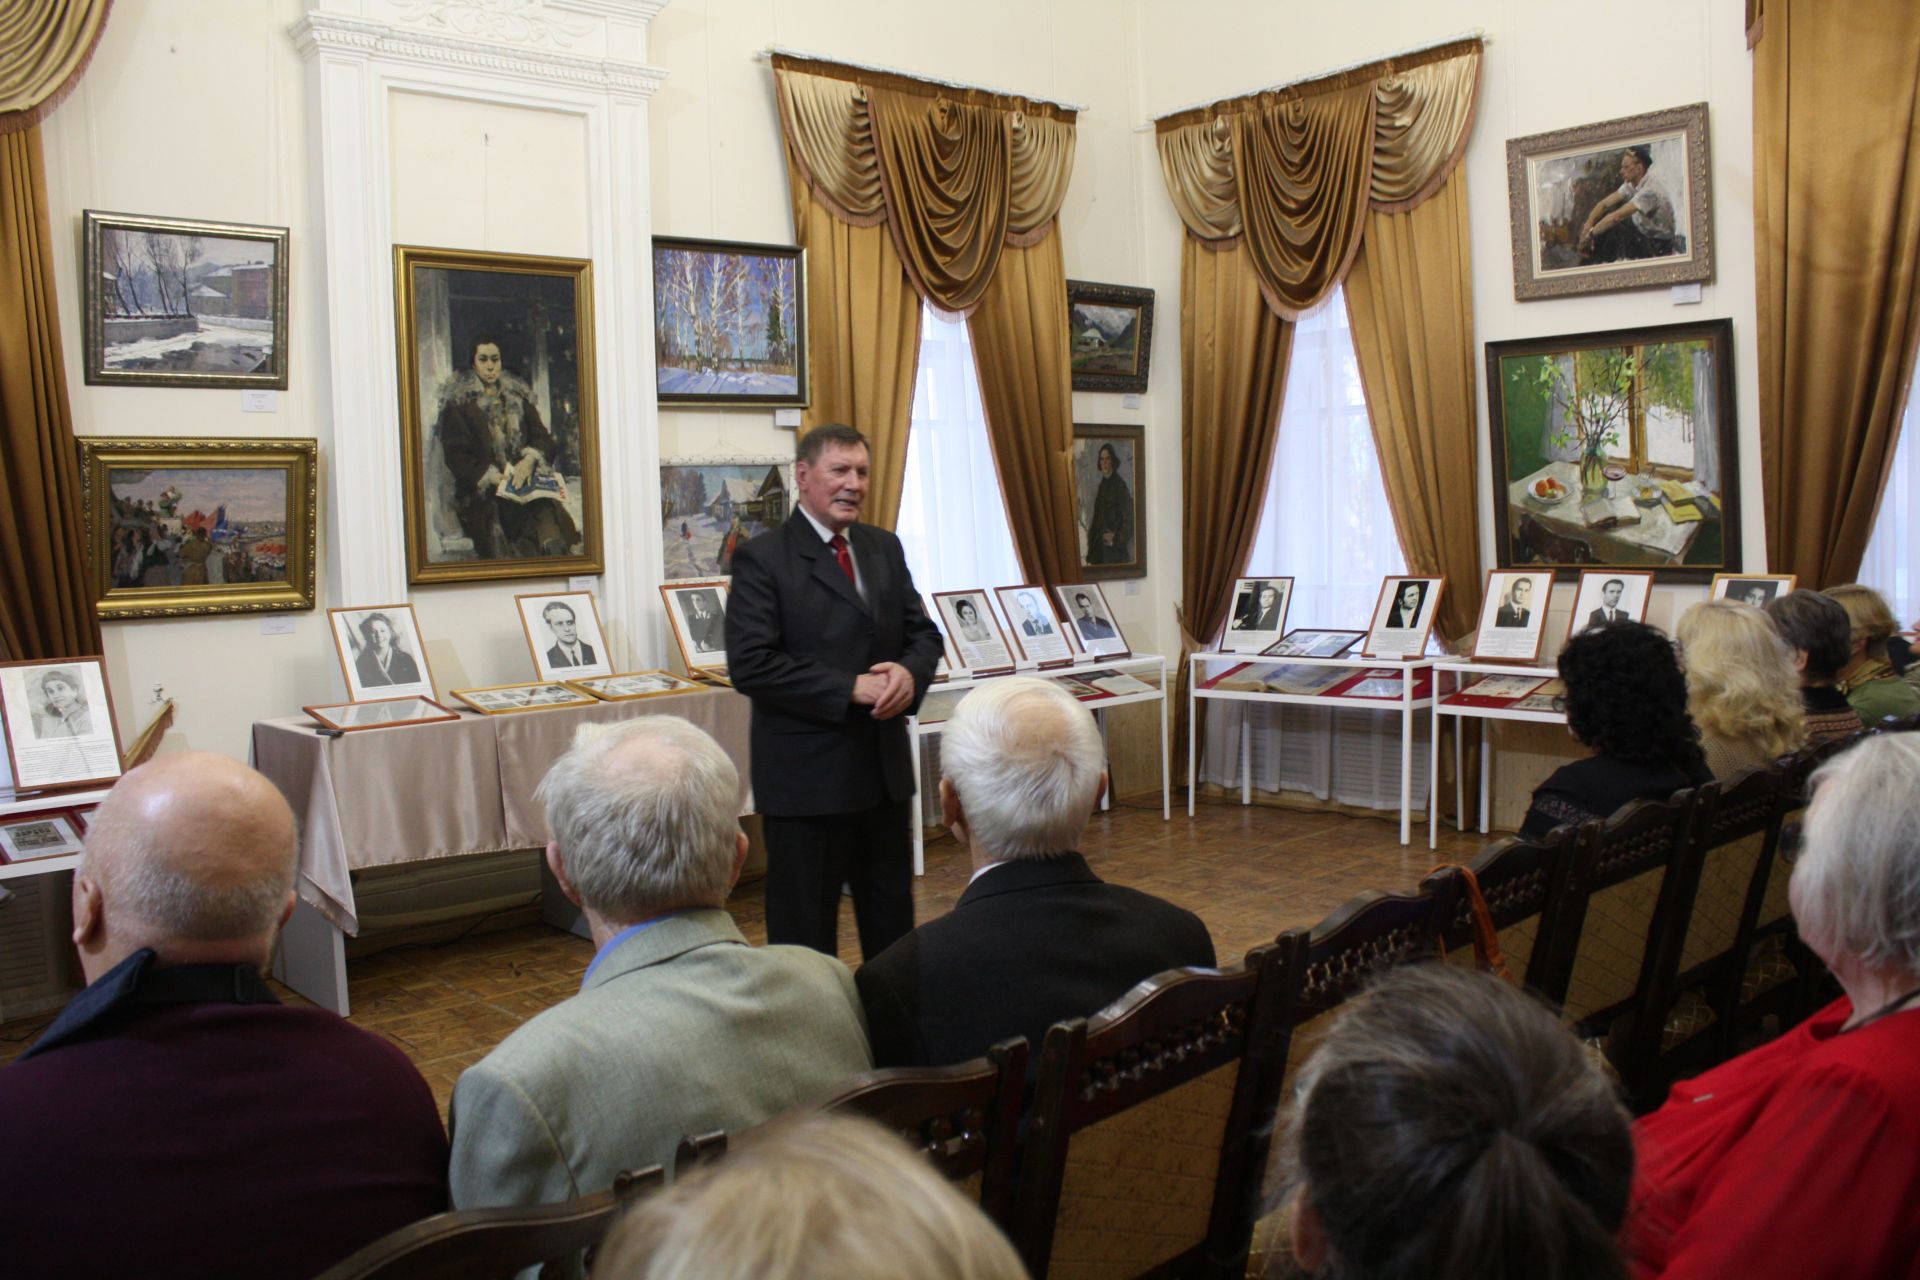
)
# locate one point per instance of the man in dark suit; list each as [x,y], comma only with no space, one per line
[1609,611]
[826,634]
[704,623]
[1037,936]
[569,650]
[1261,610]
[1092,625]
[1514,610]
[262,1139]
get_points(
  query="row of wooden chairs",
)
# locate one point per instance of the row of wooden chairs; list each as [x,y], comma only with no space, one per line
[1661,934]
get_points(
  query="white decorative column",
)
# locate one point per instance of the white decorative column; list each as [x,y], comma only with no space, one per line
[578,57]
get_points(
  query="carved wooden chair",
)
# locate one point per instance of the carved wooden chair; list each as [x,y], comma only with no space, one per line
[965,1119]
[496,1244]
[1150,1127]
[1632,878]
[1523,883]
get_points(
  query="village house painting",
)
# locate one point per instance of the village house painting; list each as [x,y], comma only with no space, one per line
[709,509]
[1112,335]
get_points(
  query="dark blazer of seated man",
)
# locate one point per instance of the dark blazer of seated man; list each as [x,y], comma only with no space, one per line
[1037,937]
[679,1027]
[177,1119]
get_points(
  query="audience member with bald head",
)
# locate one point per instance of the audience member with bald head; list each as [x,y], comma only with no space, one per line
[1037,937]
[679,1027]
[229,1134]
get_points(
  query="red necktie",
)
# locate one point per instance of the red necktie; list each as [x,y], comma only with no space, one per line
[845,557]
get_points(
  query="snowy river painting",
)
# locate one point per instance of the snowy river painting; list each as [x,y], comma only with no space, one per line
[729,323]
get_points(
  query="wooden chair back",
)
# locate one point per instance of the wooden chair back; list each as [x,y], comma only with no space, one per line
[496,1244]
[1523,883]
[1150,1127]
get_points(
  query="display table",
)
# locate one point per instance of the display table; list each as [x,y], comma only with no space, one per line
[948,692]
[380,796]
[1454,702]
[1415,693]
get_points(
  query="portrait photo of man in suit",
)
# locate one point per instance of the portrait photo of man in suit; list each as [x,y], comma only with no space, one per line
[1515,608]
[568,650]
[1259,608]
[1036,622]
[706,627]
[1407,600]
[827,637]
[1609,611]
[1090,624]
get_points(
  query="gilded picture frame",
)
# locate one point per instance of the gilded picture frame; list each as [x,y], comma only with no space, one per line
[179,528]
[492,347]
[179,302]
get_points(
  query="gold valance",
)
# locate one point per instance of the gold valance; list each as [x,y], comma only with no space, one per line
[955,174]
[1295,170]
[44,46]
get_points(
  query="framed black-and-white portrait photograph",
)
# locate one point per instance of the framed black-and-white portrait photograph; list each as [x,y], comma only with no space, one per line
[973,631]
[1257,614]
[1037,632]
[1111,327]
[1090,621]
[1607,596]
[1513,615]
[183,303]
[1314,642]
[499,432]
[628,685]
[41,835]
[382,713]
[1756,589]
[380,652]
[1403,617]
[1617,205]
[59,723]
[1107,463]
[698,614]
[563,634]
[504,699]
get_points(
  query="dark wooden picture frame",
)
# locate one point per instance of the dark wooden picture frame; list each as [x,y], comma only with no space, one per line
[1109,507]
[729,322]
[1605,417]
[1110,329]
[358,717]
[30,718]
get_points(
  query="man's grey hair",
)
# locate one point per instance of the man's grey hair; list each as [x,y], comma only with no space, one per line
[164,886]
[1026,760]
[1856,887]
[646,814]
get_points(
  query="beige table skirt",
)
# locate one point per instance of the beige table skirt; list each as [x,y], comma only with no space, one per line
[379,796]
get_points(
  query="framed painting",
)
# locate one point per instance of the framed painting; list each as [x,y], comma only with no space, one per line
[1616,450]
[1107,500]
[59,723]
[381,656]
[172,302]
[729,322]
[177,528]
[1111,327]
[1618,205]
[707,509]
[499,432]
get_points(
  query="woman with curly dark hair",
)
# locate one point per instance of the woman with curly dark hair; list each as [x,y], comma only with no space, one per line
[1627,700]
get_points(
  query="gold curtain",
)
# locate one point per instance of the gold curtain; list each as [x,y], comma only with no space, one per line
[1021,348]
[1837,241]
[863,340]
[1410,300]
[44,46]
[46,605]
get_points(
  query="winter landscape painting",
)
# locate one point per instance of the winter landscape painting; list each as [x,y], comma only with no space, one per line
[1111,327]
[709,508]
[729,322]
[174,302]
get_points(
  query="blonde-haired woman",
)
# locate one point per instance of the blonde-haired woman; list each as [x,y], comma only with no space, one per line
[816,1195]
[1869,681]
[1742,689]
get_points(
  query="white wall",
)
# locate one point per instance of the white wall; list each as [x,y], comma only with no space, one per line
[197,108]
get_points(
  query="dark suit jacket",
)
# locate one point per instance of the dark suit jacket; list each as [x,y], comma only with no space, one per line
[1599,618]
[797,635]
[182,1122]
[401,670]
[1030,943]
[1508,616]
[557,657]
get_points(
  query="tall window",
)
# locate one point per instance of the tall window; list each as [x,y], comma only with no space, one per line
[1889,566]
[1325,520]
[953,521]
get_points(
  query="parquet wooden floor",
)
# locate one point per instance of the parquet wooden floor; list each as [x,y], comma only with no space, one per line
[1248,872]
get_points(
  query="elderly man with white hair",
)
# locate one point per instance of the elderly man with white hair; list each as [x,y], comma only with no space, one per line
[177,1119]
[679,1027]
[1037,937]
[1802,1158]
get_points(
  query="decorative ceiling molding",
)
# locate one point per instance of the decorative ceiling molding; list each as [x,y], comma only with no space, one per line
[319,32]
[510,21]
[620,10]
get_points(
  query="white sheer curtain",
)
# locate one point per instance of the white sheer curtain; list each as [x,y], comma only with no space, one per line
[1888,566]
[1325,523]
[953,520]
